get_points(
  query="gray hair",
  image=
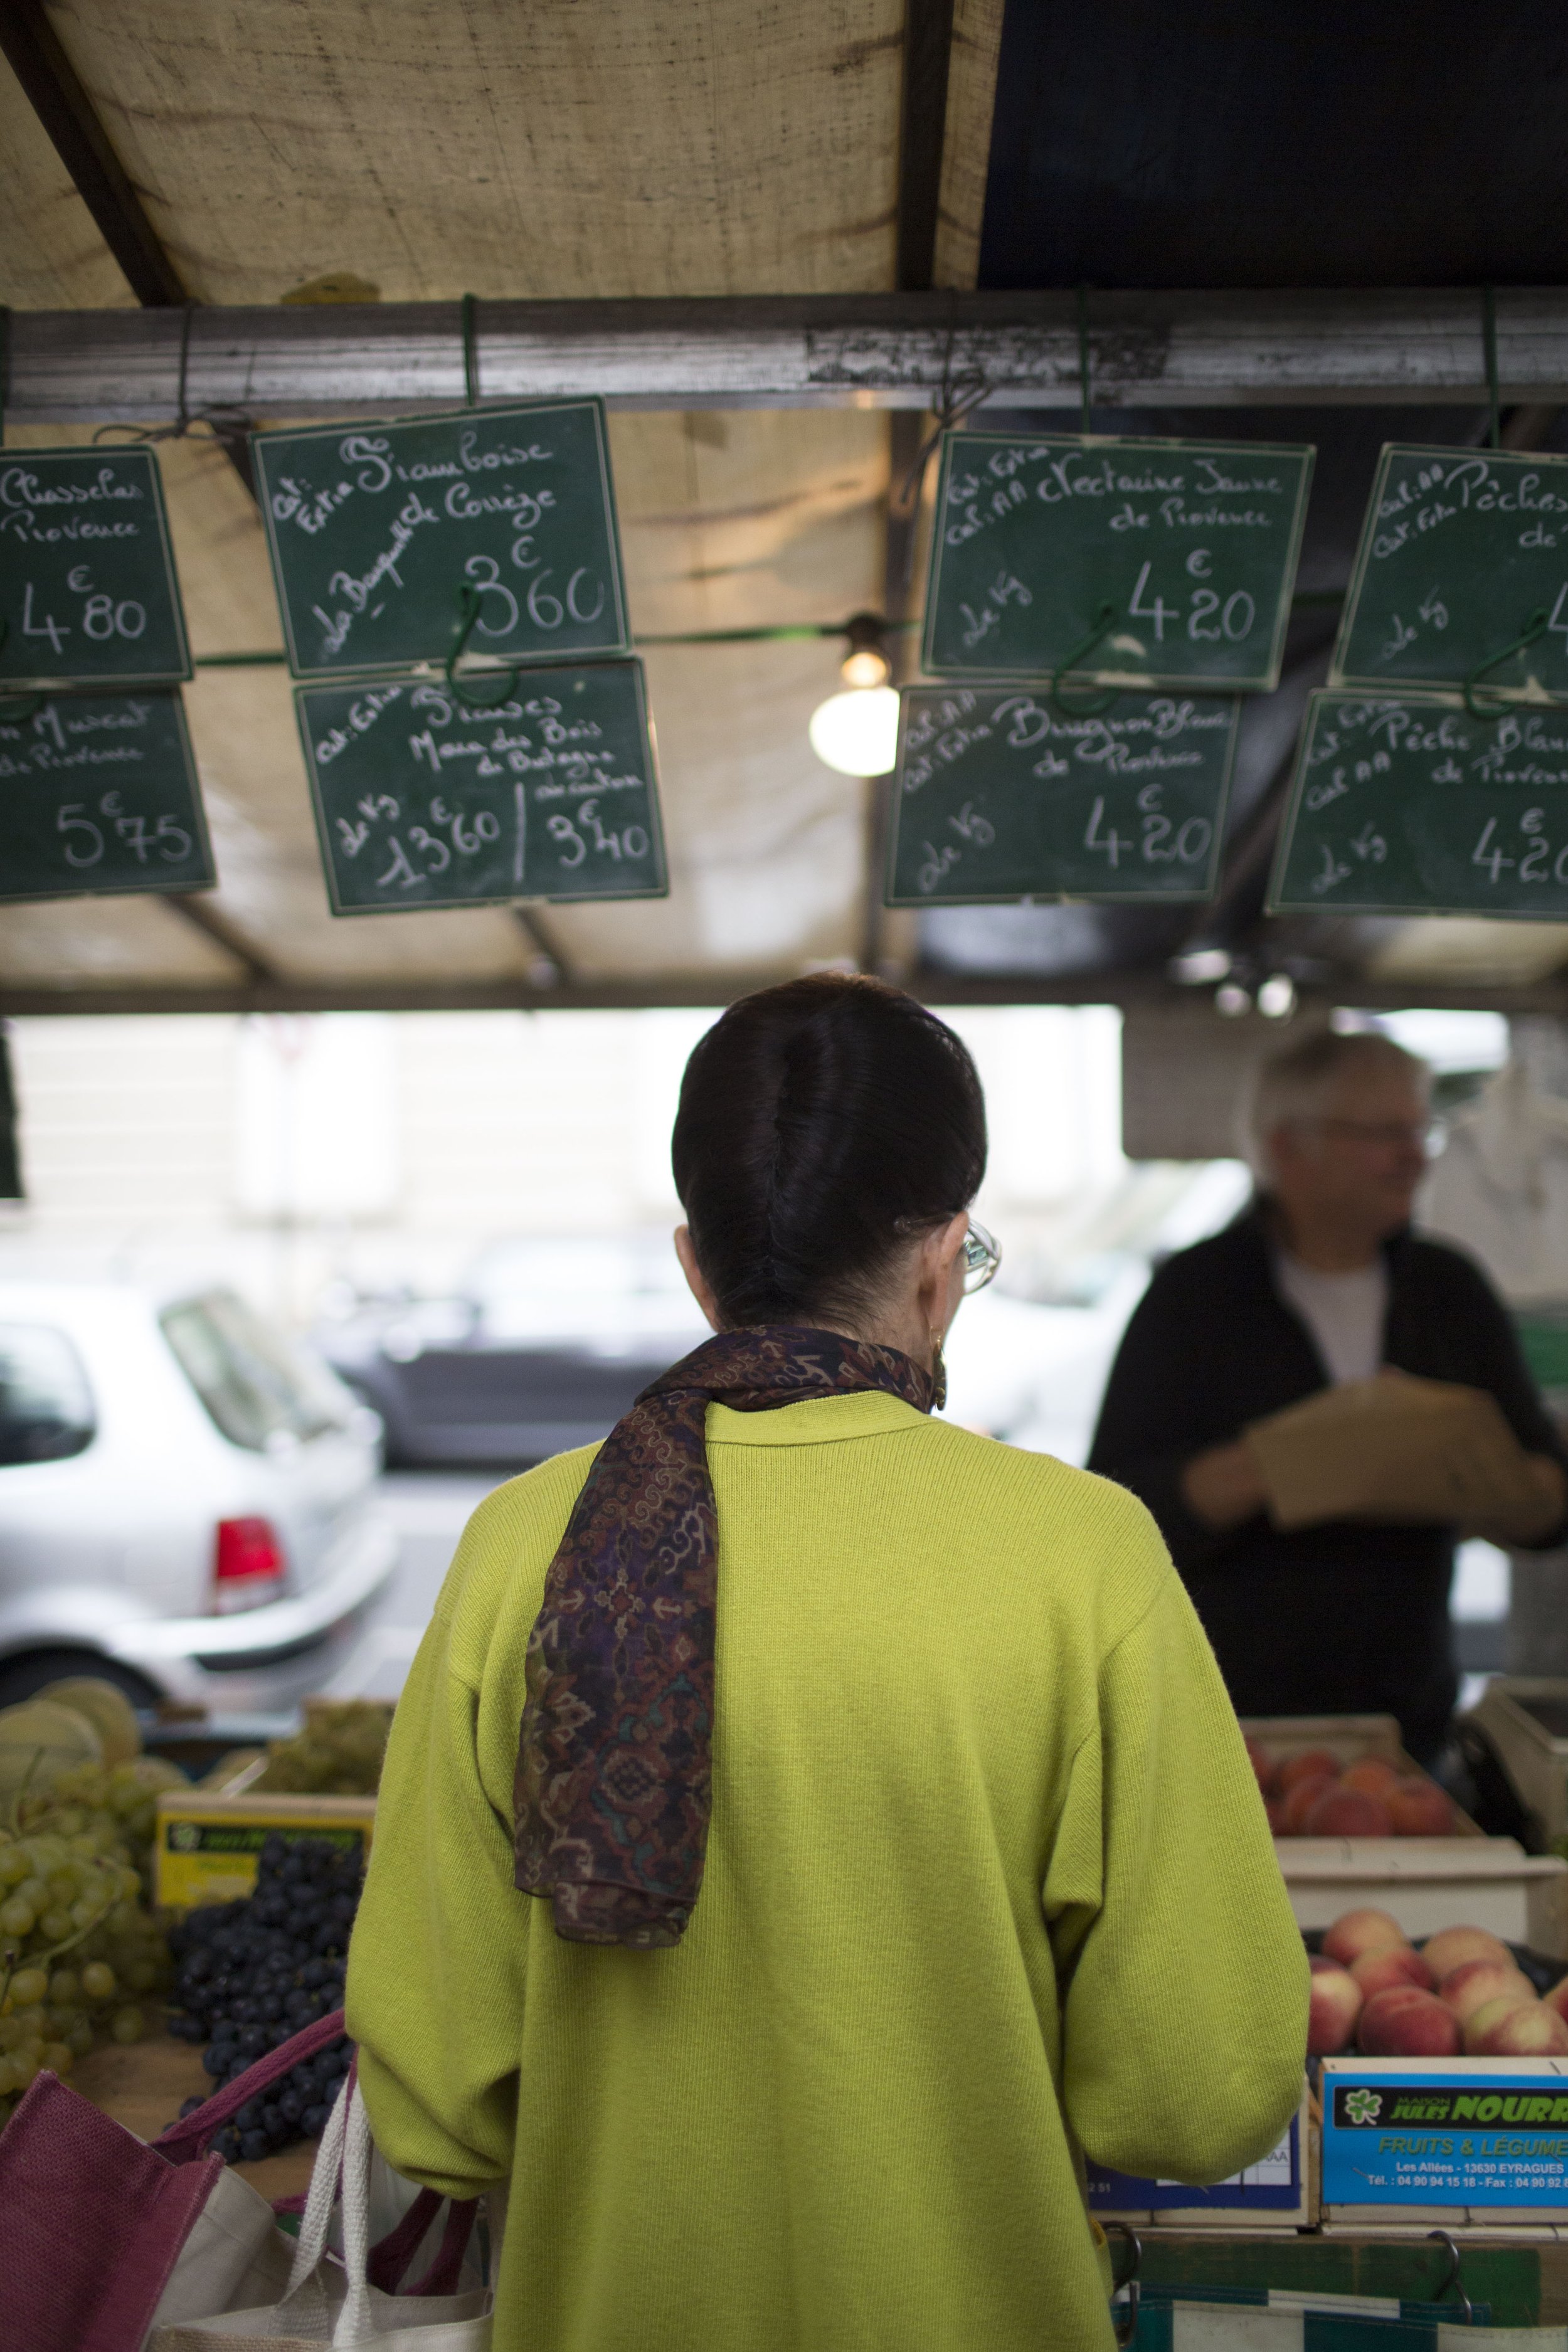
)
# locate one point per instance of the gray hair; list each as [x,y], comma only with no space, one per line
[1294,1084]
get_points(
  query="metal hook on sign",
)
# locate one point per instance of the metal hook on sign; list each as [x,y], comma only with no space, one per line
[468,615]
[1452,2277]
[1126,2325]
[1104,619]
[954,403]
[1535,626]
[470,350]
[28,707]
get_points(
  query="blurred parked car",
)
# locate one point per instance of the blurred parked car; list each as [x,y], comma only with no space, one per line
[543,1348]
[186,1499]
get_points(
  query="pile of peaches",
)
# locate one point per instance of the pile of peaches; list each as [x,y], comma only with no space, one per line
[1311,1795]
[1462,1992]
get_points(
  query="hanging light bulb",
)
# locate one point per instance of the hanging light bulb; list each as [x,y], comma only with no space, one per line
[856,731]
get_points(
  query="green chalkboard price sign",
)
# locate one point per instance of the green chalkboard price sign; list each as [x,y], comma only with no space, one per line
[1135,563]
[1461,573]
[1405,805]
[87,591]
[421,802]
[374,530]
[997,796]
[99,794]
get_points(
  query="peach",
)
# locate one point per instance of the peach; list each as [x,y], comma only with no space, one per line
[1557,1998]
[1310,1764]
[1355,1932]
[1298,1801]
[1445,1952]
[1418,1807]
[1405,2022]
[1475,1982]
[1390,1964]
[1481,2021]
[1374,1776]
[1349,1813]
[1529,2031]
[1335,2006]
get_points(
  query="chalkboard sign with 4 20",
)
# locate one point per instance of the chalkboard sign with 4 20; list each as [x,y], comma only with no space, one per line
[1137,563]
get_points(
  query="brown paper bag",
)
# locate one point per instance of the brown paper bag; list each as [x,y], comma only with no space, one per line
[1393,1448]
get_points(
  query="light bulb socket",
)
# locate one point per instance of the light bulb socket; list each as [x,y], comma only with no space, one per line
[866,662]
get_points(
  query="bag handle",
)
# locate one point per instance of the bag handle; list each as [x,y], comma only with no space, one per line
[444,2272]
[390,2258]
[186,2140]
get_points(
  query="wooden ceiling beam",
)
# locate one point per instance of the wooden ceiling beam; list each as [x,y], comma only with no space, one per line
[1360,347]
[33,51]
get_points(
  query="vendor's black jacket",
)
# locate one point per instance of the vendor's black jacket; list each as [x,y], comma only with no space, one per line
[1342,1618]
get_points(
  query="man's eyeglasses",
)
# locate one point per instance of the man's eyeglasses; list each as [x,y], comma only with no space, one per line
[981,1257]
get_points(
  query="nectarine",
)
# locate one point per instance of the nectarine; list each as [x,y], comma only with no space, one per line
[1299,1802]
[1418,1807]
[1390,1964]
[1349,1813]
[1405,2022]
[1310,1764]
[1335,2006]
[1446,1950]
[1355,1932]
[1480,2021]
[1473,1983]
[1557,1998]
[1374,1776]
[1529,2031]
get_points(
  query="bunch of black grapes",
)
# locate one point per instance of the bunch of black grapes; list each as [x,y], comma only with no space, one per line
[251,1973]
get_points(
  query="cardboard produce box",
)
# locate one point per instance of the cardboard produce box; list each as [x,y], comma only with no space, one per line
[1426,1883]
[208,1844]
[1421,2144]
[1525,1718]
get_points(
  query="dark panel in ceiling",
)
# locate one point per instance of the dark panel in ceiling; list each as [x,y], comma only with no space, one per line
[1279,143]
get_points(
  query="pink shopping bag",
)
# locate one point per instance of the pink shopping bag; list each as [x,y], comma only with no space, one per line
[95,2223]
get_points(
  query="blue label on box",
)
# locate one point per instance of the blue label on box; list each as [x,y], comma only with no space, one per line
[1273,2185]
[1444,2137]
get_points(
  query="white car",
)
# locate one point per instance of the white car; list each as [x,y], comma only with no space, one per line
[185,1500]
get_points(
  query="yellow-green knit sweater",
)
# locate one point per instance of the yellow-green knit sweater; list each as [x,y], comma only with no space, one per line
[988,1881]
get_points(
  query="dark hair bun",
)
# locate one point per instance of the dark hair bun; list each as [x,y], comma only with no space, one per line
[820,1124]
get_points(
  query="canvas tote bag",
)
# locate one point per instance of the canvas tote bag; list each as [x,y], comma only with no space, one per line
[323,2304]
[102,2234]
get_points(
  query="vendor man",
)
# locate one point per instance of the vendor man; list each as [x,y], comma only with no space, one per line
[1320,1282]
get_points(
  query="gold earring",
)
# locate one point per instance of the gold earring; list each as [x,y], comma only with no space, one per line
[938,1373]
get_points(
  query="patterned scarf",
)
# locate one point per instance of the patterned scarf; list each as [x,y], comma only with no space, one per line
[613,1769]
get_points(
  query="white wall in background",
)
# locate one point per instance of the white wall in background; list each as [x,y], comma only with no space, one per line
[1052,1075]
[315,1132]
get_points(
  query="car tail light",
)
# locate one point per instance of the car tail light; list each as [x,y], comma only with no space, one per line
[249,1566]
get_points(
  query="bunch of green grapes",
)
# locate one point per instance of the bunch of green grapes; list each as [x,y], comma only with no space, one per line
[78,1949]
[338,1754]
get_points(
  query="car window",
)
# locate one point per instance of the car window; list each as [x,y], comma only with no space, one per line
[46,1405]
[251,1377]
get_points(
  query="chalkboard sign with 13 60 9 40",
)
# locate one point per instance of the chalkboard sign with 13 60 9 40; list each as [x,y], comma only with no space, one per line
[99,794]
[1461,573]
[87,591]
[421,802]
[374,531]
[1133,563]
[1405,805]
[997,796]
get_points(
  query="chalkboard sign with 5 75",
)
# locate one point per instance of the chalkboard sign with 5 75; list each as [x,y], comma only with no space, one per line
[98,795]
